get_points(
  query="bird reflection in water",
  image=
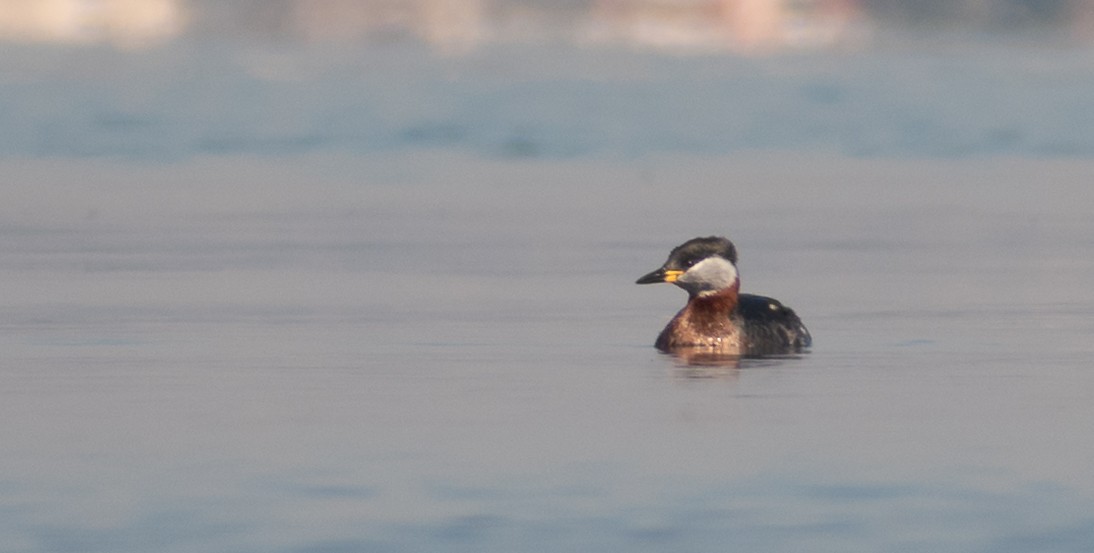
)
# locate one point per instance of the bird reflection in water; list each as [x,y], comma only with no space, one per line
[701,362]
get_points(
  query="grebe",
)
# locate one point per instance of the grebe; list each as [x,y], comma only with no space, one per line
[717,319]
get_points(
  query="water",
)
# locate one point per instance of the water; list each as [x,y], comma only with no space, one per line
[541,102]
[394,344]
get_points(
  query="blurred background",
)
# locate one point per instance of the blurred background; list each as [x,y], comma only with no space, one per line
[169,79]
[461,25]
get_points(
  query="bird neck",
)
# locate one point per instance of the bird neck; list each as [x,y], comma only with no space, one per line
[721,301]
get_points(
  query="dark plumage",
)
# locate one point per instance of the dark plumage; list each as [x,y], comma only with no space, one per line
[718,319]
[771,328]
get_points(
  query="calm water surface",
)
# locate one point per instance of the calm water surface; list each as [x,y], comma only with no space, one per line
[433,348]
[437,367]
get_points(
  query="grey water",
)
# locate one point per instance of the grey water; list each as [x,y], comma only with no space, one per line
[359,311]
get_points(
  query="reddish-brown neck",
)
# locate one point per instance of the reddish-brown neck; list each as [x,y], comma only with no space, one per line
[722,301]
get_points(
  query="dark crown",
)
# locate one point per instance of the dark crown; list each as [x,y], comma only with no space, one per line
[698,249]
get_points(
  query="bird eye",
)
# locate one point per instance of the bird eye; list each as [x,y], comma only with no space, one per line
[689,263]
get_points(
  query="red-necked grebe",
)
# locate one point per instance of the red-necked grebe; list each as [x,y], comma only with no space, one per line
[718,319]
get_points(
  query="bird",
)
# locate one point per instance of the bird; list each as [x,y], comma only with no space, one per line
[717,318]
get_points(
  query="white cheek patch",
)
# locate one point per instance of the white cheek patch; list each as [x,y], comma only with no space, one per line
[708,276]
